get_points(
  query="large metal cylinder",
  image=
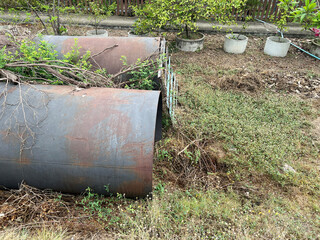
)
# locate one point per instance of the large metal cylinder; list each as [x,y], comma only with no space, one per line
[58,138]
[107,51]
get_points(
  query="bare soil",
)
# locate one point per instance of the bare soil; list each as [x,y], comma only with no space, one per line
[254,71]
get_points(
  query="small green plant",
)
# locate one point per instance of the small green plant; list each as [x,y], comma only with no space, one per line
[53,9]
[142,75]
[100,12]
[285,8]
[101,206]
[58,198]
[96,205]
[160,188]
[29,52]
[244,26]
[307,15]
[74,57]
[163,155]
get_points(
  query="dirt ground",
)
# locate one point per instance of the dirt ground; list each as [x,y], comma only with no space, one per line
[254,71]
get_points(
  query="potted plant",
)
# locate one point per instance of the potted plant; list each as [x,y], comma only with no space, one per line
[236,43]
[139,30]
[146,22]
[184,14]
[100,12]
[278,46]
[308,16]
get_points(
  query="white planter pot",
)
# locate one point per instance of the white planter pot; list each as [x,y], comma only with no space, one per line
[315,48]
[100,33]
[190,45]
[235,43]
[277,46]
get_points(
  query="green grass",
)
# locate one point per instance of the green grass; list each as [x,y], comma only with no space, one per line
[260,134]
[215,214]
[43,233]
[191,68]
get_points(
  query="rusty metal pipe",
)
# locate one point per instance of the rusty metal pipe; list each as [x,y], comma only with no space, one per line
[107,51]
[68,140]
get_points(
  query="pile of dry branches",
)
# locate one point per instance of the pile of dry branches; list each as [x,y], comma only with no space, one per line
[29,206]
[67,73]
[191,163]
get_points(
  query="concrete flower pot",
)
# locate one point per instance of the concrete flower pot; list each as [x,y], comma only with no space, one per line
[190,45]
[277,46]
[235,43]
[100,33]
[131,34]
[315,47]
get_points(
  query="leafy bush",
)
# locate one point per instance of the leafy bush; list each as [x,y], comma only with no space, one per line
[184,14]
[307,15]
[17,4]
[141,77]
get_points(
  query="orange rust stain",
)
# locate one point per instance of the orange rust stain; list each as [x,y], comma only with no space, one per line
[84,144]
[134,188]
[110,59]
[24,160]
[60,90]
[81,150]
[142,169]
[12,89]
[9,138]
[137,151]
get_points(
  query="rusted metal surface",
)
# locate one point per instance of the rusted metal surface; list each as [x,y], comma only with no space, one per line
[109,49]
[89,138]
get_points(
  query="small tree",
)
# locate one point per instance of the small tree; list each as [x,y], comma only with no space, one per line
[101,12]
[183,14]
[151,17]
[307,15]
[53,9]
[285,8]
